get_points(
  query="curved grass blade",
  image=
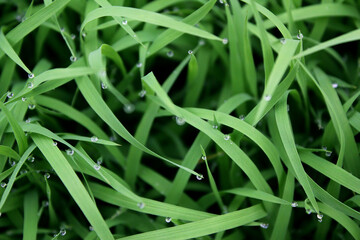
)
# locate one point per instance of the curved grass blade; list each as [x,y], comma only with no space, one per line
[149,17]
[18,132]
[73,185]
[206,226]
[9,152]
[288,141]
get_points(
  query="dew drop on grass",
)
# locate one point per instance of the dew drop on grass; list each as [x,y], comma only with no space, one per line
[294,204]
[199,177]
[62,29]
[47,175]
[129,108]
[308,211]
[190,52]
[12,163]
[227,137]
[141,205]
[179,121]
[203,158]
[70,152]
[328,153]
[94,139]
[10,95]
[62,232]
[45,203]
[283,41]
[201,42]
[23,99]
[73,58]
[267,98]
[319,217]
[139,65]
[54,143]
[142,93]
[3,184]
[242,117]
[300,35]
[103,85]
[73,36]
[264,225]
[31,75]
[83,34]
[99,161]
[31,159]
[124,22]
[91,228]
[30,85]
[168,219]
[31,106]
[97,167]
[215,126]
[28,120]
[170,54]
[225,41]
[221,1]
[334,85]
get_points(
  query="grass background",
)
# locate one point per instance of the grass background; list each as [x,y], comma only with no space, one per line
[175,119]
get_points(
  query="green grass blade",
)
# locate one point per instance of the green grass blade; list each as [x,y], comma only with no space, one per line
[73,185]
[31,205]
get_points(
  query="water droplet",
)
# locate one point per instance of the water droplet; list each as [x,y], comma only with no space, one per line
[141,205]
[170,54]
[83,34]
[267,98]
[308,211]
[30,84]
[73,58]
[215,126]
[199,177]
[99,161]
[3,184]
[31,159]
[23,99]
[319,217]
[45,203]
[91,228]
[62,232]
[242,117]
[221,1]
[203,158]
[23,171]
[73,36]
[225,210]
[294,204]
[62,29]
[201,42]
[97,167]
[9,94]
[328,153]
[334,85]
[70,152]
[190,52]
[32,106]
[142,93]
[225,41]
[139,65]
[226,137]
[124,22]
[168,219]
[47,175]
[134,36]
[102,73]
[283,41]
[324,148]
[103,85]
[94,139]
[12,163]
[129,108]
[28,120]
[54,143]
[179,121]
[264,225]
[300,35]
[31,75]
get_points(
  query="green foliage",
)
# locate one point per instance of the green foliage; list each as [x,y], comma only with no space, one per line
[179,119]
